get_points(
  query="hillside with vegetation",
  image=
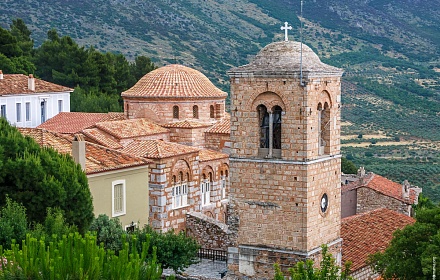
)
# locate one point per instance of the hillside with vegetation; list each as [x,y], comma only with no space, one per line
[389,50]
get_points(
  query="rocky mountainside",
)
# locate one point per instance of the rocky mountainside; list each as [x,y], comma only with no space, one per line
[214,35]
[389,49]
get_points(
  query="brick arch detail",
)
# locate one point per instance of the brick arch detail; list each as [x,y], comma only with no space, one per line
[269,99]
[206,169]
[149,112]
[181,166]
[324,97]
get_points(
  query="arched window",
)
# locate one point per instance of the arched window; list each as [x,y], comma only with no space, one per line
[206,189]
[323,129]
[179,191]
[211,112]
[263,118]
[270,131]
[277,112]
[195,112]
[175,112]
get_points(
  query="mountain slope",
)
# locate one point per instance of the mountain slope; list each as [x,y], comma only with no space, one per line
[389,49]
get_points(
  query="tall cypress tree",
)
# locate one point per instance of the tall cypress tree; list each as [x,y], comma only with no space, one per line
[40,178]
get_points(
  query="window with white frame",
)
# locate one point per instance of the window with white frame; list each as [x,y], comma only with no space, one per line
[3,111]
[18,111]
[206,190]
[180,191]
[28,111]
[223,178]
[60,106]
[118,198]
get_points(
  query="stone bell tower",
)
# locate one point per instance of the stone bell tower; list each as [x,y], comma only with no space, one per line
[285,161]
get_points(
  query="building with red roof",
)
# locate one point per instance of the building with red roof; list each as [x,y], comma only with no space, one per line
[368,191]
[367,233]
[26,101]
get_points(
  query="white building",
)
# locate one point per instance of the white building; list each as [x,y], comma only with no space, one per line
[29,102]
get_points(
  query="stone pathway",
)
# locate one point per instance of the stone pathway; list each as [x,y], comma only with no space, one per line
[205,269]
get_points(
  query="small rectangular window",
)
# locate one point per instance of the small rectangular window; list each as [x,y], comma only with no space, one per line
[60,106]
[3,111]
[28,111]
[118,198]
[18,110]
[206,192]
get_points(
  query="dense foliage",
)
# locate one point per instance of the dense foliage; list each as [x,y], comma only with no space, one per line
[73,256]
[328,270]
[99,78]
[414,252]
[174,250]
[40,178]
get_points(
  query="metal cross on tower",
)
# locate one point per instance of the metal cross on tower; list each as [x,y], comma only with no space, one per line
[286,27]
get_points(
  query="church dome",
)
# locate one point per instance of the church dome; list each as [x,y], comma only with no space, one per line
[174,81]
[285,58]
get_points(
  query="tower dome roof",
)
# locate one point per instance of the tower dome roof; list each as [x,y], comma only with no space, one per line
[174,81]
[285,58]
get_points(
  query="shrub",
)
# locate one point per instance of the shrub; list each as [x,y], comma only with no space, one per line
[77,257]
[13,223]
[108,231]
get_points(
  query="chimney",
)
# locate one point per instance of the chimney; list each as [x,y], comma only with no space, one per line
[1,75]
[31,82]
[405,189]
[79,150]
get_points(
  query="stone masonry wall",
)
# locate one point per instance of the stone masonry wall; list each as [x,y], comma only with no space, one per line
[161,110]
[208,232]
[368,199]
[216,141]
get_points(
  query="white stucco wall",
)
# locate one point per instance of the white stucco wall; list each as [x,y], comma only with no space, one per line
[35,100]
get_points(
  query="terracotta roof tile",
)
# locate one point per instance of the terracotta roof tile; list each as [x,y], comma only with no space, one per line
[18,84]
[221,127]
[157,149]
[101,138]
[98,158]
[382,185]
[174,81]
[185,124]
[131,128]
[207,155]
[73,122]
[368,233]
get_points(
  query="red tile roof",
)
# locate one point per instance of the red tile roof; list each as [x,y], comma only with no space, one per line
[221,127]
[207,155]
[174,81]
[98,158]
[102,138]
[185,124]
[73,122]
[131,128]
[382,185]
[157,149]
[18,84]
[368,233]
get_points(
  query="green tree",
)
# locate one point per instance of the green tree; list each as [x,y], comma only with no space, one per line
[13,223]
[108,232]
[413,249]
[40,178]
[94,101]
[174,250]
[348,167]
[23,35]
[327,270]
[54,226]
[141,66]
